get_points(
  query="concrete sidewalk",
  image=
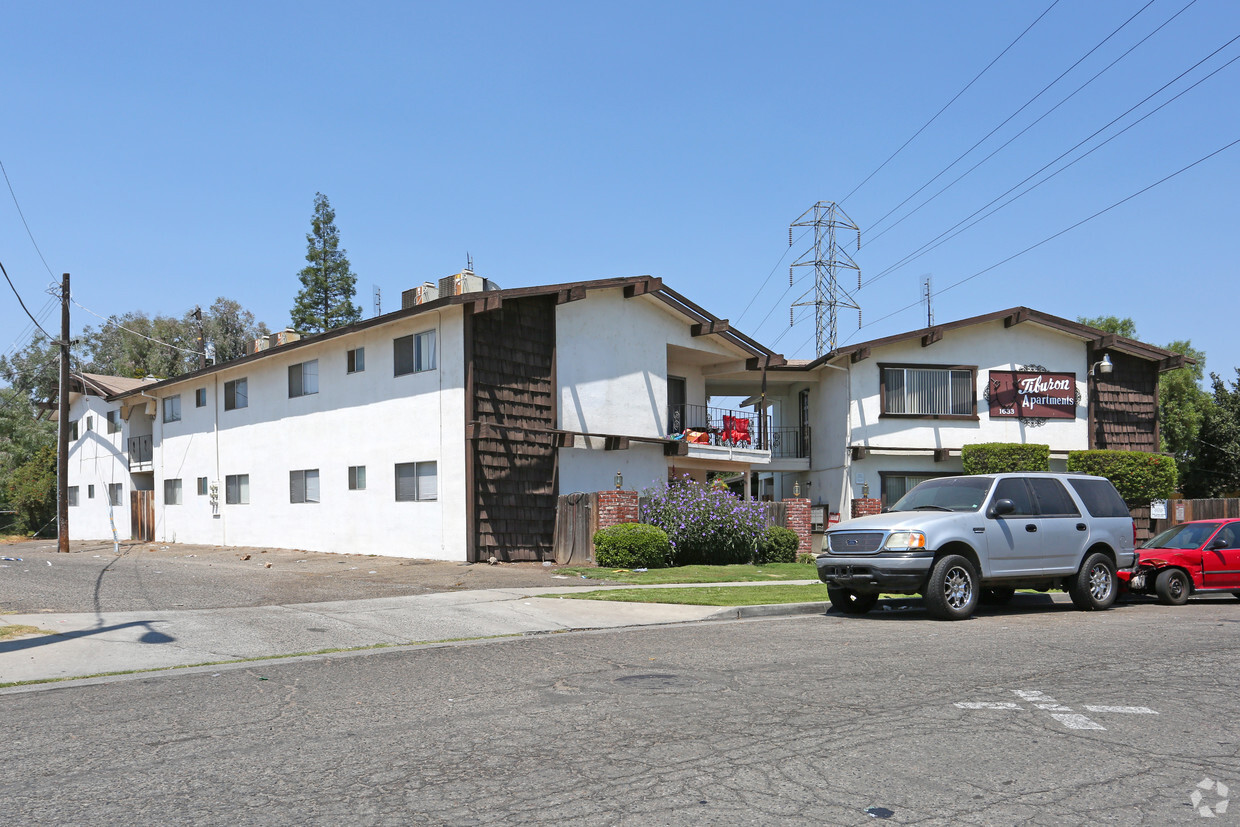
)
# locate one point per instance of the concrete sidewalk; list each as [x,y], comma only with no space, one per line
[91,644]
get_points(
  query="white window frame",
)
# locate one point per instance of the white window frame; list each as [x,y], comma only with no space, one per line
[237,489]
[303,486]
[115,494]
[422,490]
[417,351]
[237,389]
[172,408]
[172,492]
[355,360]
[303,379]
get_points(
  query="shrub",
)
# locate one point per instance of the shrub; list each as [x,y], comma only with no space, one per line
[1005,458]
[704,525]
[632,545]
[1138,476]
[777,545]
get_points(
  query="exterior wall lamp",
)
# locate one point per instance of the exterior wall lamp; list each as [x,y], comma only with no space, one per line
[619,480]
[1103,366]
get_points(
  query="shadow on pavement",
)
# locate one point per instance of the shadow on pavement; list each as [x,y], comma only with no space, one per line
[152,635]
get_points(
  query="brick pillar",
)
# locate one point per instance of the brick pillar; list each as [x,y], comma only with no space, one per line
[617,507]
[798,521]
[862,507]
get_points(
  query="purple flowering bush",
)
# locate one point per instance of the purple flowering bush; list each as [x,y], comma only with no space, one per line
[705,525]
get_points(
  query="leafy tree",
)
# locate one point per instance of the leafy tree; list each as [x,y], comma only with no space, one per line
[1214,470]
[122,346]
[1182,406]
[34,370]
[1111,324]
[31,490]
[229,328]
[328,284]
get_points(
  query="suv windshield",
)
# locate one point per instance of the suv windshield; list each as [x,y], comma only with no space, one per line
[1189,535]
[946,494]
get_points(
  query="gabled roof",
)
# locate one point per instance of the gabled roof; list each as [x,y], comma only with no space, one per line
[702,322]
[1101,340]
[102,384]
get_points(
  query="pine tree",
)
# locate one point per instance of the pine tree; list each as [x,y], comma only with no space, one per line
[328,285]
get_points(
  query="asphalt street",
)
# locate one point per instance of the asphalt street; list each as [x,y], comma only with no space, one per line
[1039,715]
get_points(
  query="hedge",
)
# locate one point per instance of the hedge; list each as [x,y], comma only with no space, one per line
[1005,458]
[1138,476]
[777,545]
[632,545]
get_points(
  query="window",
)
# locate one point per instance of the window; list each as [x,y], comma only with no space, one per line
[236,394]
[917,390]
[90,424]
[416,481]
[895,485]
[90,492]
[357,360]
[1100,498]
[1014,489]
[303,378]
[202,486]
[1053,499]
[237,488]
[303,486]
[200,398]
[114,493]
[357,477]
[73,429]
[172,408]
[73,494]
[172,492]
[414,353]
[114,422]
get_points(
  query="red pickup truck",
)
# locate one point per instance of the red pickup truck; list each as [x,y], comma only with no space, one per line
[1191,558]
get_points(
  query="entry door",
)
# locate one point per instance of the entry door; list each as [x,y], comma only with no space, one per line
[1221,566]
[676,405]
[142,515]
[1013,539]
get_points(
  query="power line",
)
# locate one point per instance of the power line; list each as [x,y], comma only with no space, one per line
[1007,120]
[23,218]
[768,278]
[944,236]
[950,102]
[1036,122]
[114,323]
[1049,238]
[22,303]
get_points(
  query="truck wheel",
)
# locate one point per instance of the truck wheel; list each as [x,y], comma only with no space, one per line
[1172,587]
[1093,587]
[952,593]
[851,603]
[998,595]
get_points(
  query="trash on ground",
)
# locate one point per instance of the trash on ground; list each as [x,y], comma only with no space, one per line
[246,557]
[879,812]
[642,569]
[546,564]
[372,572]
[266,565]
[560,576]
[12,559]
[49,562]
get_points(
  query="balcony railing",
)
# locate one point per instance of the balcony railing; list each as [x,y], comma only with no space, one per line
[790,443]
[706,425]
[140,450]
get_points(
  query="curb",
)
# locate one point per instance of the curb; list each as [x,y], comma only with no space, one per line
[769,610]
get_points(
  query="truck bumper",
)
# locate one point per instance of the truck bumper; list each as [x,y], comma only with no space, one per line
[877,572]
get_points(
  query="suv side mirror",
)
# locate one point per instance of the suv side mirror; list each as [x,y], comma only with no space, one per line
[1000,507]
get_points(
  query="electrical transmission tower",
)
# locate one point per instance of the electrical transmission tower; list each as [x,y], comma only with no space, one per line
[827,258]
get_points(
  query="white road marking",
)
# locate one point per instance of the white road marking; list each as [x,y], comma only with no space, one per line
[987,705]
[1033,695]
[1055,707]
[1077,722]
[1127,710]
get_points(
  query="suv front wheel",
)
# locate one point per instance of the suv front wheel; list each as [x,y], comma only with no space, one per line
[952,592]
[1093,587]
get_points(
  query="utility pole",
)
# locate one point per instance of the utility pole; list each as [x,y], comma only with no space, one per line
[62,425]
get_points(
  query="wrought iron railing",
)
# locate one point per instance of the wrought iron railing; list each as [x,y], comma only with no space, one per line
[790,443]
[710,425]
[141,450]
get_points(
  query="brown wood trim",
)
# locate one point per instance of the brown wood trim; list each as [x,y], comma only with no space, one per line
[1172,363]
[960,417]
[485,303]
[675,448]
[572,294]
[1013,319]
[648,284]
[707,328]
[616,443]
[859,452]
[471,509]
[760,362]
[859,354]
[942,454]
[1104,342]
[934,335]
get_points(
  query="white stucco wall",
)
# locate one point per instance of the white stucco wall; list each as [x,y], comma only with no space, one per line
[97,458]
[370,418]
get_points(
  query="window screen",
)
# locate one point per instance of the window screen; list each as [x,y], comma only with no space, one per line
[303,378]
[303,486]
[236,394]
[172,492]
[928,391]
[416,481]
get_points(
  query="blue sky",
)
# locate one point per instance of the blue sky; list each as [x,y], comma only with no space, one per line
[168,153]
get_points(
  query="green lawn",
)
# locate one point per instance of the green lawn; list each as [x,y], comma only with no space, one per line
[709,596]
[772,572]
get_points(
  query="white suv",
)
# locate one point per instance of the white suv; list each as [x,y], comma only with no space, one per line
[961,540]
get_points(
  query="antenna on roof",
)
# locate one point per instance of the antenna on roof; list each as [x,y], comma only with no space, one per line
[378,296]
[469,262]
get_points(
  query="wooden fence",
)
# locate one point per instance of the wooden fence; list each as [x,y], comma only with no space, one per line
[1183,511]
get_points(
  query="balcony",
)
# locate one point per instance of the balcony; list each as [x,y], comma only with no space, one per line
[141,453]
[701,426]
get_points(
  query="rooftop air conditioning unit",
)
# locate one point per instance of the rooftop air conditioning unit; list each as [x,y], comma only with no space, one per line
[427,292]
[465,282]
